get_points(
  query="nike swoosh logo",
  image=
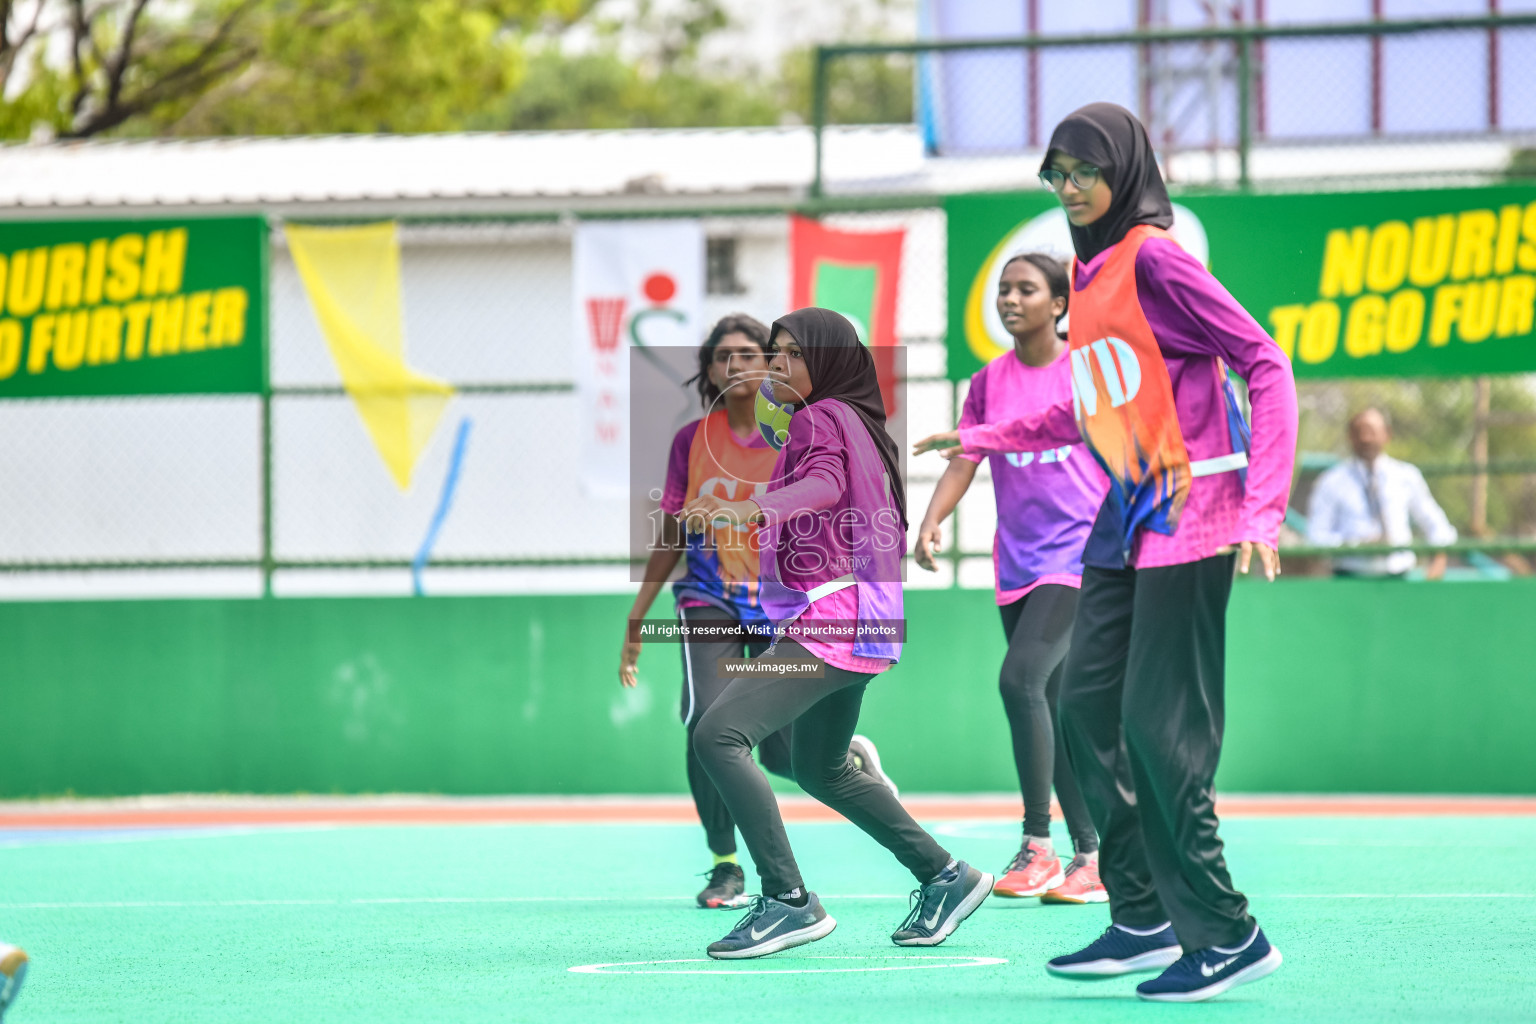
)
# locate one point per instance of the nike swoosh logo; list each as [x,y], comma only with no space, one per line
[759,934]
[934,920]
[1211,972]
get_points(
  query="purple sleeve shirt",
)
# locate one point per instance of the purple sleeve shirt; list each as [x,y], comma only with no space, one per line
[675,493]
[974,411]
[1046,499]
[815,467]
[1196,321]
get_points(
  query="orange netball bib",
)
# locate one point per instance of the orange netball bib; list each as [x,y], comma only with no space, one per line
[1122,395]
[720,465]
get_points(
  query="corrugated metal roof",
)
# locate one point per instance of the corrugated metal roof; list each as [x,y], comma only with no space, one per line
[521,172]
[511,170]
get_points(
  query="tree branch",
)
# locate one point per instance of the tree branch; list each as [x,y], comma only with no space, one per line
[79,27]
[213,60]
[106,120]
[117,66]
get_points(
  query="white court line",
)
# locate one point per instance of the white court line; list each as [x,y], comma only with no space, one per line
[83,837]
[1400,896]
[968,961]
[994,830]
[361,901]
[417,900]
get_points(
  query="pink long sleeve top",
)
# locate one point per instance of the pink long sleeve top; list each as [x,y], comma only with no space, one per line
[826,526]
[1198,327]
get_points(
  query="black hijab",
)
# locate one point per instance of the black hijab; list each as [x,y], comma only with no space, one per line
[1109,137]
[841,367]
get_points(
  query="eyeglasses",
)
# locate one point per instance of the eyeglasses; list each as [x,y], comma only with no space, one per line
[1084,177]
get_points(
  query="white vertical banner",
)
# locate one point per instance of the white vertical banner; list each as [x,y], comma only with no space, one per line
[637,283]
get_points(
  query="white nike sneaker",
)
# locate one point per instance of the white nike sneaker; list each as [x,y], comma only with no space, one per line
[771,926]
[940,906]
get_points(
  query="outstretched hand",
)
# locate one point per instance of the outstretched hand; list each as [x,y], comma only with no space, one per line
[948,443]
[707,510]
[1268,556]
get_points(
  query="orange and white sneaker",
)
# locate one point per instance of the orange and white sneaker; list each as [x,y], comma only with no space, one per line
[1081,885]
[13,968]
[1034,870]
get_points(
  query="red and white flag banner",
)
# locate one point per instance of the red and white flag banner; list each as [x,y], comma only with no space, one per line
[636,283]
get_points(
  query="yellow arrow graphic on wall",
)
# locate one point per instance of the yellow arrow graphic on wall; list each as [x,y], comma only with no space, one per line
[352,277]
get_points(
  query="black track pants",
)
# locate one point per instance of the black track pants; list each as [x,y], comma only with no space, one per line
[1142,711]
[1039,629]
[825,713]
[702,684]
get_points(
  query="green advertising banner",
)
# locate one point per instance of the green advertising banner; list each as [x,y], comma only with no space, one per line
[132,307]
[1364,284]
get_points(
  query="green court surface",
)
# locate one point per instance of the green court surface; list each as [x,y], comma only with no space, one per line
[1380,919]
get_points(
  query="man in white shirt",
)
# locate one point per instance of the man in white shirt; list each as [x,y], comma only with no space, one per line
[1375,499]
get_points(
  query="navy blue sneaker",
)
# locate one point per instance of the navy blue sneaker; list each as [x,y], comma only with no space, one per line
[1118,951]
[1210,972]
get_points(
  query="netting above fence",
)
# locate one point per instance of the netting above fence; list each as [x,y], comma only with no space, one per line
[1255,94]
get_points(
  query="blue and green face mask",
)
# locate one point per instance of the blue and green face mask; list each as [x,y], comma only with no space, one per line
[773,418]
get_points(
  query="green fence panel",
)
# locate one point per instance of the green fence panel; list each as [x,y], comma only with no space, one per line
[1334,686]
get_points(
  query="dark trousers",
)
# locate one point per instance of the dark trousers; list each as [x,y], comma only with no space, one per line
[1039,629]
[702,685]
[1142,708]
[825,713]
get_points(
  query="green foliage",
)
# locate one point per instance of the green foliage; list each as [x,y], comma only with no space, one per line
[601,90]
[372,66]
[75,70]
[254,67]
[645,72]
[42,103]
[264,67]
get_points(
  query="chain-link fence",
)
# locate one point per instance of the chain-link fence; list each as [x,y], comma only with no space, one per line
[169,495]
[286,493]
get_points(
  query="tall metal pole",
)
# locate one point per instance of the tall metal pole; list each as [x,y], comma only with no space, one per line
[266,417]
[818,114]
[954,519]
[266,489]
[1244,106]
[1482,407]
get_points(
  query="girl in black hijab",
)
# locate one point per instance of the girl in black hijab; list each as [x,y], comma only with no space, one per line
[842,368]
[1109,140]
[834,532]
[1193,496]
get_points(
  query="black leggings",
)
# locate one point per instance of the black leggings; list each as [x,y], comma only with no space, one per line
[1039,630]
[702,684]
[1143,706]
[824,712]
